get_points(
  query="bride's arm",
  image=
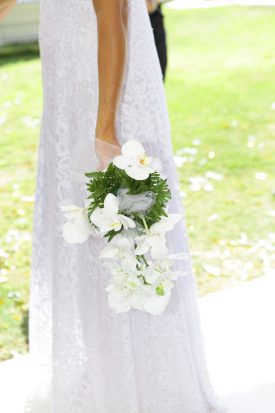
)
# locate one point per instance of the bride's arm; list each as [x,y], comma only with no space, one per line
[5,6]
[112,16]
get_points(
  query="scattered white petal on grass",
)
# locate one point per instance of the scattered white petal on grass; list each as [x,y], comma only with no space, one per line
[202,161]
[225,254]
[183,194]
[7,104]
[211,155]
[21,212]
[3,254]
[261,176]
[195,187]
[2,120]
[213,217]
[196,142]
[16,194]
[3,280]
[222,242]
[243,240]
[4,76]
[14,294]
[245,270]
[30,122]
[261,145]
[271,237]
[210,269]
[273,106]
[271,213]
[15,187]
[26,198]
[179,161]
[187,151]
[214,175]
[16,247]
[3,271]
[251,140]
[26,236]
[208,187]
[212,254]
[200,183]
[234,123]
[18,100]
[22,220]
[14,232]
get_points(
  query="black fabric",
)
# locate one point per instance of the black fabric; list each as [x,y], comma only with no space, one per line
[157,22]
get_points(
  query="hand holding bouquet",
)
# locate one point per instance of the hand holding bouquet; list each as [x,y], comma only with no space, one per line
[127,206]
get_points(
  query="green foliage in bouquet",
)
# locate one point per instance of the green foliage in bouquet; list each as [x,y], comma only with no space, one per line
[112,179]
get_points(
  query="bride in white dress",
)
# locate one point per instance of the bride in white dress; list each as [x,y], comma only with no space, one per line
[96,361]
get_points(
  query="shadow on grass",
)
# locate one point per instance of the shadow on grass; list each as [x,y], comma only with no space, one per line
[18,52]
[25,326]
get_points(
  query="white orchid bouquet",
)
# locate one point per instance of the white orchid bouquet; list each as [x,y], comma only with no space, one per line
[127,206]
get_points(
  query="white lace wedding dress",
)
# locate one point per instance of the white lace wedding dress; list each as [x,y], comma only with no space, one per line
[92,360]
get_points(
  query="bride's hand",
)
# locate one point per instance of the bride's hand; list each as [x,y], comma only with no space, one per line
[152,5]
[105,152]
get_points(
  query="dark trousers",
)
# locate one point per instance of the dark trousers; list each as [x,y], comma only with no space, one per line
[157,22]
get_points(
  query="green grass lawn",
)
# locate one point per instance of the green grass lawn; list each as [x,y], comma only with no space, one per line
[220,89]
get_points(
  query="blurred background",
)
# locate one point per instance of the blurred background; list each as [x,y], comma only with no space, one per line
[221,96]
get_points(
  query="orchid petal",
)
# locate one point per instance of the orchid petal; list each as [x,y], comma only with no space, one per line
[76,234]
[110,251]
[118,300]
[126,221]
[111,203]
[143,246]
[138,172]
[97,216]
[158,247]
[166,224]
[124,244]
[133,149]
[115,224]
[103,221]
[156,304]
[121,161]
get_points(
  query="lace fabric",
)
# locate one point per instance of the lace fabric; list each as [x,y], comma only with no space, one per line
[92,360]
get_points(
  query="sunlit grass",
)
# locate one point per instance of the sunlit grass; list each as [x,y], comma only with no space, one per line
[220,91]
[20,103]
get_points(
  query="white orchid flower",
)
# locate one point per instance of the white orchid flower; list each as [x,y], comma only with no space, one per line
[77,229]
[155,304]
[123,290]
[135,162]
[119,299]
[121,249]
[146,299]
[108,218]
[155,240]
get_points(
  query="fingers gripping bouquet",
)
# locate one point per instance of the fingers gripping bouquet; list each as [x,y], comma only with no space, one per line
[127,206]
